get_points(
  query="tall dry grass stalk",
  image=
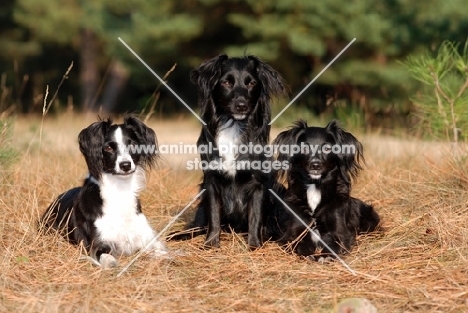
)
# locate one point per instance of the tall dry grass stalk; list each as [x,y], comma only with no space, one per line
[418,264]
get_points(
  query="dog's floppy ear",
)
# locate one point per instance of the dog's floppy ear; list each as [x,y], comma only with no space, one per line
[91,140]
[144,135]
[207,75]
[291,136]
[351,150]
[272,82]
[288,138]
[283,144]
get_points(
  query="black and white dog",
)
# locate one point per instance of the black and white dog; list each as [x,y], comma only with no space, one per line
[318,190]
[105,213]
[234,95]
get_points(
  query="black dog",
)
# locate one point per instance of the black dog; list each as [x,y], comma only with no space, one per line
[234,95]
[319,186]
[105,213]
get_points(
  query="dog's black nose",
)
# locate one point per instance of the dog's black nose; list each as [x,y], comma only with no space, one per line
[315,165]
[241,104]
[125,166]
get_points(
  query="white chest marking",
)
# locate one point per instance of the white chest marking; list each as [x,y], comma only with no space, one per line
[313,199]
[120,225]
[316,235]
[227,142]
[313,196]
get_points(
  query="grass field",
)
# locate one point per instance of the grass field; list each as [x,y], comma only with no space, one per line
[417,264]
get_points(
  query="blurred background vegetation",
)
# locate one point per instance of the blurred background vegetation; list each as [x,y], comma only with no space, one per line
[367,86]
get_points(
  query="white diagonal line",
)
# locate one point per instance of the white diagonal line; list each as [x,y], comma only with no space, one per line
[143,250]
[313,80]
[313,233]
[161,80]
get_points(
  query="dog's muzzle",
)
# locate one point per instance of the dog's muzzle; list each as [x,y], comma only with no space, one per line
[239,117]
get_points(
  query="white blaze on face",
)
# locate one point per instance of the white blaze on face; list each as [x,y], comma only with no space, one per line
[122,152]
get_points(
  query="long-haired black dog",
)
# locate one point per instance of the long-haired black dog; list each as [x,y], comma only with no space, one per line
[234,95]
[318,190]
[105,213]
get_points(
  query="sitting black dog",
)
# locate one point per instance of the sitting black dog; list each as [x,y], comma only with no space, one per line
[234,96]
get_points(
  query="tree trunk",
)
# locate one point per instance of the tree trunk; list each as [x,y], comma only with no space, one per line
[89,71]
[117,79]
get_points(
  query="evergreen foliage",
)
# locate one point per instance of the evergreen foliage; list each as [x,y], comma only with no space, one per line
[443,105]
[297,37]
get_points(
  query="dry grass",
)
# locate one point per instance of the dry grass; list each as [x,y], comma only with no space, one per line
[417,265]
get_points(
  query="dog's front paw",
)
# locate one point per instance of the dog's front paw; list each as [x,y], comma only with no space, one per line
[321,259]
[254,243]
[211,243]
[158,249]
[325,259]
[107,261]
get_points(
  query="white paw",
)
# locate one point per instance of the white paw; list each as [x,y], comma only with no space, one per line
[325,260]
[157,249]
[89,259]
[107,261]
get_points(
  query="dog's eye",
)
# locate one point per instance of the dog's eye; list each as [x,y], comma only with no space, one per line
[251,83]
[226,83]
[108,148]
[327,148]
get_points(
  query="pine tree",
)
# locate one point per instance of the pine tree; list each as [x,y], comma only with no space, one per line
[153,29]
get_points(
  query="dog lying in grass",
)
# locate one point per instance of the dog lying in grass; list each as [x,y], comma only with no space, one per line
[105,213]
[318,191]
